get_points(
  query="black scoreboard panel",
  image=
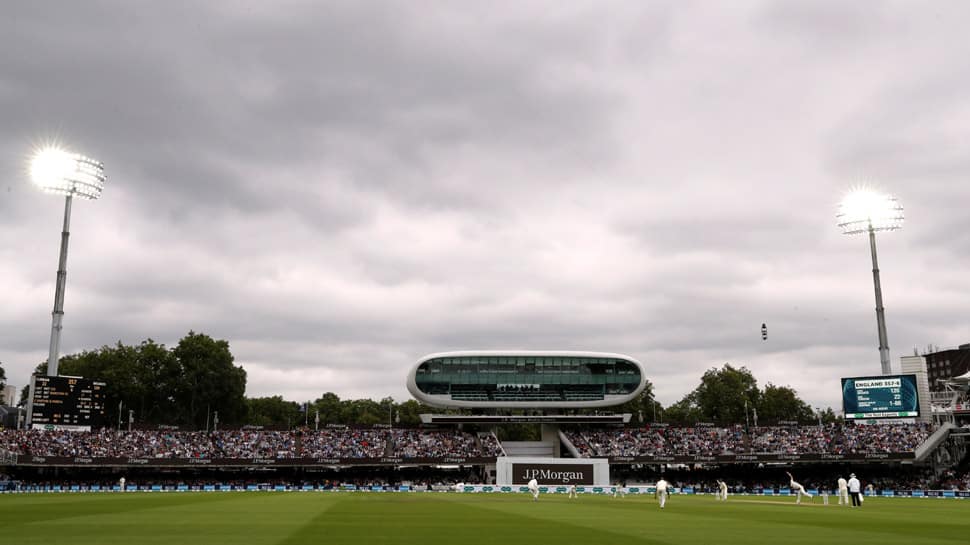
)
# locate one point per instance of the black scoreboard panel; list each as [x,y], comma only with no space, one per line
[68,401]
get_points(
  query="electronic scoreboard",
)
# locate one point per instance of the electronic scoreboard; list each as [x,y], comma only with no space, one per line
[887,396]
[66,402]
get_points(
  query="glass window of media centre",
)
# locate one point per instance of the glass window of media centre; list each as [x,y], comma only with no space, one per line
[527,378]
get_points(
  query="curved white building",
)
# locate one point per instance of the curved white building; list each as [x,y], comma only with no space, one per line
[526,379]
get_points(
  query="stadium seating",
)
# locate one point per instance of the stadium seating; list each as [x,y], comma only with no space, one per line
[707,440]
[350,442]
[346,442]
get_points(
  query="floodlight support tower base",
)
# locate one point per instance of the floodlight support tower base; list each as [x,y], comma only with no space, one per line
[57,316]
[880,311]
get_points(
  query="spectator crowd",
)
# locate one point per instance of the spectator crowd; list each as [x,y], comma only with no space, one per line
[419,444]
[329,443]
[712,441]
[345,443]
[352,442]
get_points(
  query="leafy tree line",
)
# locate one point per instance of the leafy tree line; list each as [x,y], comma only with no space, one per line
[274,411]
[187,384]
[182,386]
[731,395]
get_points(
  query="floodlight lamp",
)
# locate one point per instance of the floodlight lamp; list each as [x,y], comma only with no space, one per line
[61,172]
[865,209]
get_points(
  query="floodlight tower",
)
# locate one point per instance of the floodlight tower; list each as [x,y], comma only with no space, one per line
[866,211]
[64,173]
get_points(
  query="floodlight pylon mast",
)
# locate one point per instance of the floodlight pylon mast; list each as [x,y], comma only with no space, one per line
[73,175]
[866,211]
[57,316]
[884,360]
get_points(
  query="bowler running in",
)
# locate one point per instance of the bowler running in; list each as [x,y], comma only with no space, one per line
[798,489]
[722,490]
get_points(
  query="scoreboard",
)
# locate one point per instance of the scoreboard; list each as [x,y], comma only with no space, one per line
[66,402]
[887,396]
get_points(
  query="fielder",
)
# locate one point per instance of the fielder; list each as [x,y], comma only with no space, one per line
[798,489]
[534,489]
[722,490]
[843,491]
[661,492]
[619,491]
[572,492]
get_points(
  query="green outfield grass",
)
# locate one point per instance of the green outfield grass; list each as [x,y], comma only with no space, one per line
[256,518]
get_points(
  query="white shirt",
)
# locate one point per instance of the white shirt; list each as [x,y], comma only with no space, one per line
[795,486]
[723,485]
[661,485]
[533,484]
[842,484]
[854,485]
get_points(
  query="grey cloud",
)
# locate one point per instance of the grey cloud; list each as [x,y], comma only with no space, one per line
[340,188]
[827,26]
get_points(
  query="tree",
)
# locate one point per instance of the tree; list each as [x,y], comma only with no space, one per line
[643,407]
[3,376]
[782,403]
[519,432]
[273,412]
[209,382]
[330,408]
[363,411]
[685,412]
[723,392]
[117,368]
[388,406]
[333,410]
[139,378]
[730,395]
[829,416]
[410,412]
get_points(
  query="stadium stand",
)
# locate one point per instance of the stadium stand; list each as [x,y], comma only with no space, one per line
[491,445]
[344,443]
[418,443]
[381,456]
[831,439]
[433,444]
[243,444]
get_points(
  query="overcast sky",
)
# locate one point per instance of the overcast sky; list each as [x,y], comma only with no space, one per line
[339,188]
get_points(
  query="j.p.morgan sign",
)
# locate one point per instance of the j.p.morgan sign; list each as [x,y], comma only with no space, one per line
[552,473]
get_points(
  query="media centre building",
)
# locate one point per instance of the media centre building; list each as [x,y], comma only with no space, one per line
[496,381]
[525,380]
